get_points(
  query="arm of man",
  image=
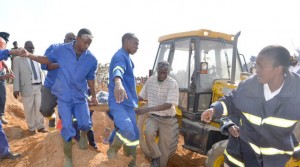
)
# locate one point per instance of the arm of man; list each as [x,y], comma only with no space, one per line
[161,107]
[40,59]
[91,84]
[6,68]
[119,91]
[4,54]
[52,66]
[16,83]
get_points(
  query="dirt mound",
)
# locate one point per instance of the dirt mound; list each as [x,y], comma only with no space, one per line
[45,149]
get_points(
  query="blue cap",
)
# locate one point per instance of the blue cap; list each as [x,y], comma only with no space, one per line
[5,36]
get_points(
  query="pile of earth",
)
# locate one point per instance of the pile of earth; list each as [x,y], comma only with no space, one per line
[45,149]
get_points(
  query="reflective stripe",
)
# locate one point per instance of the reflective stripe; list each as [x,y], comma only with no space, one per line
[225,111]
[233,160]
[269,151]
[118,68]
[279,122]
[128,142]
[297,148]
[252,118]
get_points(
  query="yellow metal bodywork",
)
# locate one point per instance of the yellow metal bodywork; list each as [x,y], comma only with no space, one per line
[293,163]
[221,88]
[197,33]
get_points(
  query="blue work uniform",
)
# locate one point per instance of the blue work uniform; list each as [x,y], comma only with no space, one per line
[4,54]
[4,148]
[51,74]
[266,129]
[70,87]
[123,113]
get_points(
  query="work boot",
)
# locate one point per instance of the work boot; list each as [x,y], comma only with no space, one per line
[155,162]
[3,120]
[83,141]
[52,122]
[114,147]
[67,154]
[130,151]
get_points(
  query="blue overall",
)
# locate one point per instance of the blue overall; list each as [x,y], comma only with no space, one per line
[123,114]
[4,148]
[70,87]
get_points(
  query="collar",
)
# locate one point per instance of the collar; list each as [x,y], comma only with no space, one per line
[289,88]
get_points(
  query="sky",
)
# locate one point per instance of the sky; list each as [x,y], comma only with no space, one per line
[45,22]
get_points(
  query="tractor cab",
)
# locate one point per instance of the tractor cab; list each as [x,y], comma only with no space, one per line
[198,59]
[205,65]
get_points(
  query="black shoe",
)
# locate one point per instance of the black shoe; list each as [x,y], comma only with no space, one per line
[42,130]
[155,162]
[31,132]
[12,156]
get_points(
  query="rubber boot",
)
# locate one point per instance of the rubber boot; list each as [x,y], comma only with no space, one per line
[114,147]
[68,154]
[130,151]
[83,141]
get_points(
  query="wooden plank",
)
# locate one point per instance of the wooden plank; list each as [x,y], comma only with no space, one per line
[100,107]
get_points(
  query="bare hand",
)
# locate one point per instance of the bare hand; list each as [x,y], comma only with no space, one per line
[93,101]
[140,111]
[234,131]
[8,76]
[18,52]
[9,71]
[16,94]
[120,93]
[207,115]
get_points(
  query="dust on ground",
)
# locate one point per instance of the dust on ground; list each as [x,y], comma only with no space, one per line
[46,149]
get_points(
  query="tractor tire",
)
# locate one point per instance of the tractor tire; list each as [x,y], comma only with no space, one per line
[143,145]
[215,156]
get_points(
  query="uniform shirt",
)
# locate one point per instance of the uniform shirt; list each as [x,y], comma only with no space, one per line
[4,54]
[122,66]
[51,74]
[266,125]
[158,93]
[71,82]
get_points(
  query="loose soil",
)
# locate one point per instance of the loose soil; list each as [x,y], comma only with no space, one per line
[46,149]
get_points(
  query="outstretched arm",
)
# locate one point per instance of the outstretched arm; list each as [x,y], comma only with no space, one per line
[154,108]
[40,59]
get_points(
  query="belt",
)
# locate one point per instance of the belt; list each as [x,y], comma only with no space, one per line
[36,83]
[164,117]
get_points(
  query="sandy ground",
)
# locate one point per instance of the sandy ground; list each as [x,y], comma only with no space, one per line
[45,150]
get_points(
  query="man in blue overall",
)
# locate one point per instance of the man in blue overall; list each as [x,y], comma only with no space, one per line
[77,67]
[123,99]
[5,152]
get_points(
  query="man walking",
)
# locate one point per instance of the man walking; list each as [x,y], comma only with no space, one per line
[77,67]
[123,99]
[162,94]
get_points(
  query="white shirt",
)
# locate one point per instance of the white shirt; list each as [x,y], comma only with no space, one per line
[38,72]
[268,94]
